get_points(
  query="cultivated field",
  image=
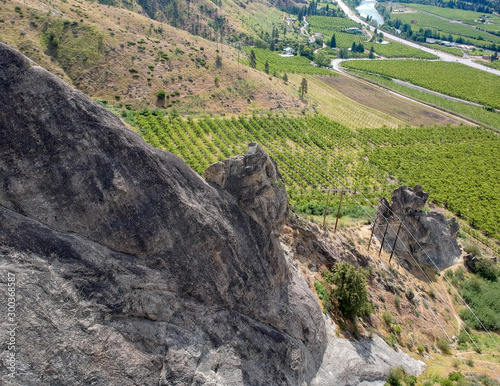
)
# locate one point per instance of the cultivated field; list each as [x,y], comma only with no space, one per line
[458,166]
[407,111]
[452,79]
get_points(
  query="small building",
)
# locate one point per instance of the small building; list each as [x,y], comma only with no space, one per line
[291,19]
[288,52]
[487,57]
[317,34]
[353,30]
[448,44]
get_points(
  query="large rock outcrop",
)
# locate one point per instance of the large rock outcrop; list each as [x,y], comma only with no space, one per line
[426,236]
[131,269]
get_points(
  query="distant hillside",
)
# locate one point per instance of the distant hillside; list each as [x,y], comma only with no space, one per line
[116,55]
[209,19]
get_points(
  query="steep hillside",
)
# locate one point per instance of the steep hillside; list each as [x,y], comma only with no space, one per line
[129,268]
[214,20]
[124,58]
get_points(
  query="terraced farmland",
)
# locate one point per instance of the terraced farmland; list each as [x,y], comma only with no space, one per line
[457,165]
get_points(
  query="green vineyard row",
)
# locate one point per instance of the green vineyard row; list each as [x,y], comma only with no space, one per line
[456,165]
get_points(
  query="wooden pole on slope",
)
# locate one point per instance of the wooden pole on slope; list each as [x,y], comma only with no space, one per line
[395,241]
[338,211]
[326,207]
[327,200]
[383,239]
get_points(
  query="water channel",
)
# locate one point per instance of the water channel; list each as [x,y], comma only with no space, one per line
[367,7]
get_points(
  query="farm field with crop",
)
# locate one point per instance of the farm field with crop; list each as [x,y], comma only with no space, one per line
[452,79]
[425,20]
[315,152]
[469,17]
[478,114]
[372,96]
[341,108]
[398,50]
[330,26]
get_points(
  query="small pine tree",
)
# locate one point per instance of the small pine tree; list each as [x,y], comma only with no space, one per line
[266,67]
[349,290]
[253,59]
[303,87]
[333,42]
[285,78]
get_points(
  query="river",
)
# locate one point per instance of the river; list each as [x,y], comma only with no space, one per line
[367,7]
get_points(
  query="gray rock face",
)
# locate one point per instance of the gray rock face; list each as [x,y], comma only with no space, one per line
[428,236]
[364,362]
[131,268]
[254,180]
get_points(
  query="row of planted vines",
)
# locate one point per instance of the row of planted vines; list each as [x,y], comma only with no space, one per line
[458,166]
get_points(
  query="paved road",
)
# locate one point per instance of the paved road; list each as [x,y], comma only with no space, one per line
[442,55]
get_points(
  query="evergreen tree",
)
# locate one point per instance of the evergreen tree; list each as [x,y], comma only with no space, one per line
[354,47]
[333,42]
[266,67]
[285,78]
[303,87]
[348,292]
[253,59]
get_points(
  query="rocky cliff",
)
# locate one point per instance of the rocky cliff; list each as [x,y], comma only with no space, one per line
[131,269]
[426,236]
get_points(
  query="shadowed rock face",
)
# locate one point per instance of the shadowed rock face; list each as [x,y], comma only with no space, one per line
[428,236]
[131,268]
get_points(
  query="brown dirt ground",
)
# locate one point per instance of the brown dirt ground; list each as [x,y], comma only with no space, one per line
[375,97]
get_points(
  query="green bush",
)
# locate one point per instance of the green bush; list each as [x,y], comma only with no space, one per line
[397,329]
[388,318]
[487,269]
[391,339]
[348,291]
[396,376]
[444,345]
[420,349]
[482,297]
[456,376]
[160,94]
[320,289]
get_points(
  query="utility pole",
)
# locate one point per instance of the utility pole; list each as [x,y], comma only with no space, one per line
[395,241]
[371,235]
[340,203]
[383,238]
